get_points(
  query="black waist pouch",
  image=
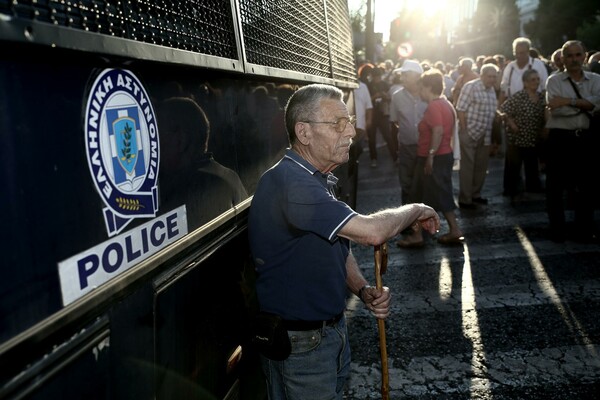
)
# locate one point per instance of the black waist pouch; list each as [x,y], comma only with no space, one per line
[270,336]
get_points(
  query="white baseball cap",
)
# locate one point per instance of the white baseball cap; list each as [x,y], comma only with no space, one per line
[412,66]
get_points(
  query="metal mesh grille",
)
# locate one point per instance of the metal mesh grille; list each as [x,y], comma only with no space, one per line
[340,33]
[290,35]
[286,34]
[202,26]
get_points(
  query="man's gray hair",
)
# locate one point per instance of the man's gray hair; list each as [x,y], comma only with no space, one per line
[487,67]
[570,43]
[304,105]
[519,41]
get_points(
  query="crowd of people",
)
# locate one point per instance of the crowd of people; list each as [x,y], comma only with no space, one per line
[430,116]
[535,112]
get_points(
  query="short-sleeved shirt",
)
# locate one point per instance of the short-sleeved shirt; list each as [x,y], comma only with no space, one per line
[528,116]
[362,103]
[407,110]
[439,113]
[479,103]
[293,225]
[512,76]
[568,117]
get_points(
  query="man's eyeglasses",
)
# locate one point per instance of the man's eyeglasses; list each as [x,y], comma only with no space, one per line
[339,125]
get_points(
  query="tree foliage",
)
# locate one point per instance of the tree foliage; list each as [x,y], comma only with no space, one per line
[357,18]
[589,34]
[496,25]
[492,29]
[557,21]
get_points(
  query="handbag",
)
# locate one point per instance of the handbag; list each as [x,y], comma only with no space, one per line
[455,141]
[270,337]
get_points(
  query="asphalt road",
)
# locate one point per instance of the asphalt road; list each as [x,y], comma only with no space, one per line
[507,315]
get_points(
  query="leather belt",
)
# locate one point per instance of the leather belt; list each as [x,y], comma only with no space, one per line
[311,325]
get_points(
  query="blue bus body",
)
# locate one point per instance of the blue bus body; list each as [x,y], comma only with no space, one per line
[125,263]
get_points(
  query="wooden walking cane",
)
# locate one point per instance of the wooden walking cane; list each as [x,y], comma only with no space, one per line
[381,258]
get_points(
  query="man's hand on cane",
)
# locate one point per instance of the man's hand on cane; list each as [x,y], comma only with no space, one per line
[377,301]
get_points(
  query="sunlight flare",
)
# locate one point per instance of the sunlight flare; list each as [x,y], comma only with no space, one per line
[445,280]
[472,331]
[545,284]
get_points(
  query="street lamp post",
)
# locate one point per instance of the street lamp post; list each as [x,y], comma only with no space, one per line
[370,31]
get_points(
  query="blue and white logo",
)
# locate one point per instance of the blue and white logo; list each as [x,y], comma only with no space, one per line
[121,138]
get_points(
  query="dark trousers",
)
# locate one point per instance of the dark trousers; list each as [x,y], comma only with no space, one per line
[516,158]
[381,122]
[407,162]
[571,169]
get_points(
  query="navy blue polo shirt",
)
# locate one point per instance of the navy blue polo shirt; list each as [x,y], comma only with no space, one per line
[293,224]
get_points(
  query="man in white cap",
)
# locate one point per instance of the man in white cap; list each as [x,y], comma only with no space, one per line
[406,111]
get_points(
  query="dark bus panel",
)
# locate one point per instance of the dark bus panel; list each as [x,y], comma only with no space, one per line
[132,137]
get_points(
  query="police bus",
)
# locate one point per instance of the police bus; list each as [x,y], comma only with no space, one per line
[133,134]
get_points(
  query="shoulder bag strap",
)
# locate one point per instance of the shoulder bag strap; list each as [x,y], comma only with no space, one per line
[575,88]
[587,114]
[512,68]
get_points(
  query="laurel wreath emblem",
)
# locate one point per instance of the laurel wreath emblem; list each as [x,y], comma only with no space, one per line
[129,204]
[126,150]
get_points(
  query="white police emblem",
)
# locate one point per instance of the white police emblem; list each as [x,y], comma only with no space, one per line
[121,138]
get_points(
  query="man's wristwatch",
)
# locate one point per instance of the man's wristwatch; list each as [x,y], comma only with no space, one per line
[573,102]
[431,152]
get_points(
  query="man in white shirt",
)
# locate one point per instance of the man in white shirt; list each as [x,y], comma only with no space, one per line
[406,111]
[512,77]
[512,81]
[572,147]
[363,107]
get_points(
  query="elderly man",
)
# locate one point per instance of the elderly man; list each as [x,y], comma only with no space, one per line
[300,237]
[500,61]
[557,61]
[406,111]
[572,96]
[512,77]
[465,68]
[476,111]
[594,62]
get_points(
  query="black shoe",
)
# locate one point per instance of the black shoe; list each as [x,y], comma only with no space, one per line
[467,206]
[480,200]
